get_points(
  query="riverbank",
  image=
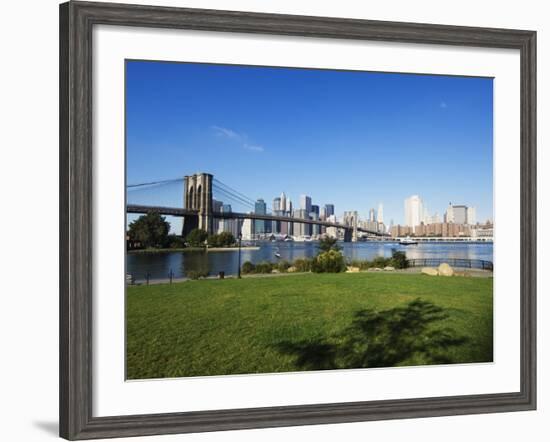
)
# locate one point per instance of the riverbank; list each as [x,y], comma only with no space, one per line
[303,322]
[461,272]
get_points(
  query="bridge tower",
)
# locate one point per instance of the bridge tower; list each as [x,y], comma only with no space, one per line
[197,196]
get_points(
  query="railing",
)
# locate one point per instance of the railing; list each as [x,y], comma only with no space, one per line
[453,262]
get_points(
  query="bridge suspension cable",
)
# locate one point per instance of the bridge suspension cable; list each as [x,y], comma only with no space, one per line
[153,183]
[233,193]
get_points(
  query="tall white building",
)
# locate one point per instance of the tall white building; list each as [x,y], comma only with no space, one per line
[282,204]
[380,215]
[247,229]
[414,211]
[471,216]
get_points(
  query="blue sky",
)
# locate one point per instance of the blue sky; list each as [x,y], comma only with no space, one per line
[354,139]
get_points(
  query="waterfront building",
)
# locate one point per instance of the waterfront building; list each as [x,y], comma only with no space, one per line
[216,207]
[380,214]
[301,229]
[457,214]
[276,204]
[471,216]
[247,229]
[414,211]
[226,225]
[314,228]
[260,208]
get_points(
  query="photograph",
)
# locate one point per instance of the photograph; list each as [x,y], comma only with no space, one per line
[283,219]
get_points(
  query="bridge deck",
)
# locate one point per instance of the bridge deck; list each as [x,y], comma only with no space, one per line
[174,211]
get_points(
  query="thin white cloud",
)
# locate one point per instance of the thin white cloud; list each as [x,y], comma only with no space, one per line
[253,147]
[443,105]
[228,133]
[241,139]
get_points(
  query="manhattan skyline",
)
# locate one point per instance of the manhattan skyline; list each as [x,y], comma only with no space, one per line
[352,139]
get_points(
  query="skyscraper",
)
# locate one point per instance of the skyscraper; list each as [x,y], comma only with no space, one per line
[471,215]
[414,211]
[276,204]
[380,217]
[305,203]
[372,215]
[329,210]
[457,214]
[260,209]
[283,202]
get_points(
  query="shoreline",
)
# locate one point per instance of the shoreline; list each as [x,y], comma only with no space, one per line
[471,273]
[192,249]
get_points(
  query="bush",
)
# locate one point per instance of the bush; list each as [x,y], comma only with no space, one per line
[283,266]
[302,265]
[399,259]
[264,267]
[248,267]
[196,274]
[380,262]
[329,262]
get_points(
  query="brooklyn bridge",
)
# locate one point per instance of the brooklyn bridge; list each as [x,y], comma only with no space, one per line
[198,210]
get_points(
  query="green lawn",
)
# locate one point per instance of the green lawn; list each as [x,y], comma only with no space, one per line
[307,322]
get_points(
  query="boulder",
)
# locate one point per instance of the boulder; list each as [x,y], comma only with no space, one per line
[389,268]
[291,269]
[351,269]
[430,271]
[445,269]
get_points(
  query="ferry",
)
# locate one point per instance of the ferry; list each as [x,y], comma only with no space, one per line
[408,241]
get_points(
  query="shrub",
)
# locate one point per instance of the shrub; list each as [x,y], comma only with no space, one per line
[329,262]
[302,265]
[196,274]
[380,262]
[264,267]
[248,267]
[283,266]
[399,259]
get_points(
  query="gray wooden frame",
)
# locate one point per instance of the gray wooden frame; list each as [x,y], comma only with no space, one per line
[76,23]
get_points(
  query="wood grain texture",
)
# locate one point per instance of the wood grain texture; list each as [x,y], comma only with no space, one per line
[76,166]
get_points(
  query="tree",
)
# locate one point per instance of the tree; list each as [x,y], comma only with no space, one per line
[151,230]
[328,243]
[196,237]
[224,239]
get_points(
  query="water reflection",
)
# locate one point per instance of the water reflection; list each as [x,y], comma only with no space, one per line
[159,265]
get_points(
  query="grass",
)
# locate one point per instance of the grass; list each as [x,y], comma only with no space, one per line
[307,322]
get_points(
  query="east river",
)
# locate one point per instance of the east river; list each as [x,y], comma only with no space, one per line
[160,265]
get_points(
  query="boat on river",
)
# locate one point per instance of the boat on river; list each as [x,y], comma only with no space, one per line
[408,241]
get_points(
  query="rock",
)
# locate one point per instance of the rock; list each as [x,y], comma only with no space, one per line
[275,271]
[389,269]
[445,269]
[291,269]
[352,269]
[430,271]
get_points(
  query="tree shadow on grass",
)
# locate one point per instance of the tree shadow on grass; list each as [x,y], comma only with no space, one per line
[381,339]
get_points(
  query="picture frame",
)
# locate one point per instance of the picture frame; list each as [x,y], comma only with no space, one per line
[77,20]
